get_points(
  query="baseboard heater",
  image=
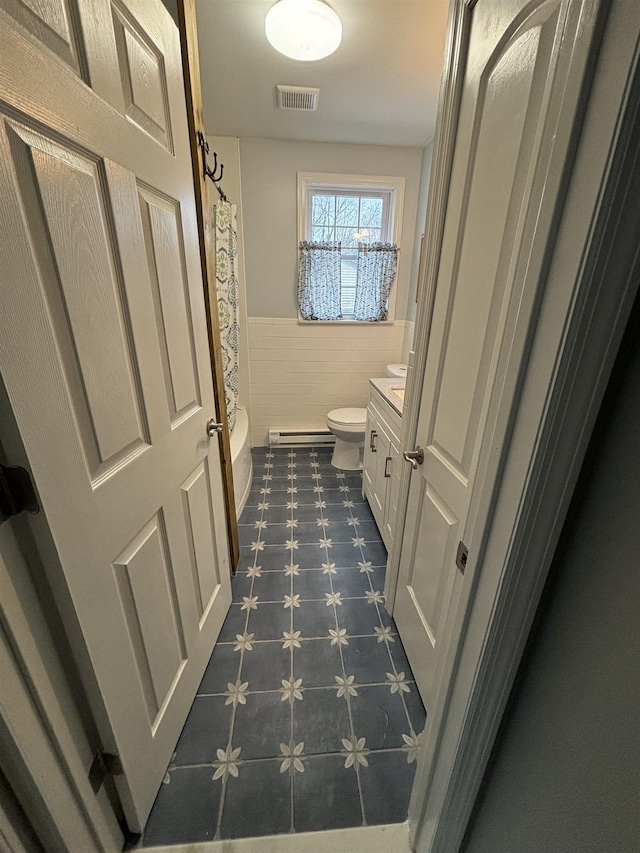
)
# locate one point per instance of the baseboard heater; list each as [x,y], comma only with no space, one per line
[291,437]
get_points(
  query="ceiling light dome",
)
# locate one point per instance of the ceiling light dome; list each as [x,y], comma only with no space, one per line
[303,29]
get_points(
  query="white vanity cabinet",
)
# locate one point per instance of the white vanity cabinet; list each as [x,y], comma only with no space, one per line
[381,466]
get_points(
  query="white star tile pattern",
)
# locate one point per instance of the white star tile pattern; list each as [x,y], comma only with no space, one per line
[308,692]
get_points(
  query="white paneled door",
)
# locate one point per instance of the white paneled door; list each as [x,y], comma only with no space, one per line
[521,70]
[104,353]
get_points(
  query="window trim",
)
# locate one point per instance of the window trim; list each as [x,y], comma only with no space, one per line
[335,182]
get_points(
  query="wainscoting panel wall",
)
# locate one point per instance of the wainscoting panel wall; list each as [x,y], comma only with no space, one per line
[299,372]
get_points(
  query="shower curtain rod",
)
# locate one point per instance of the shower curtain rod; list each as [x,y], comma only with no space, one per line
[211,173]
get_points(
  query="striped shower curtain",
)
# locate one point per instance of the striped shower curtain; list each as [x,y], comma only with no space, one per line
[226,236]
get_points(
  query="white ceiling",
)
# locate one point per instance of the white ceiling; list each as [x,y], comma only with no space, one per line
[379,88]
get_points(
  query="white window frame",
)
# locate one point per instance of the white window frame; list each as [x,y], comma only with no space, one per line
[332,182]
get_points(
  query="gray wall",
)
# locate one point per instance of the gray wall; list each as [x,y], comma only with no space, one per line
[269,201]
[565,775]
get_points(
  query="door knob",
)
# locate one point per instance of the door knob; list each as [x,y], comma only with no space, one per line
[415,457]
[213,427]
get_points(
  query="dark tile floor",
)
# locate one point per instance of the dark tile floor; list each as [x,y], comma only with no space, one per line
[307,716]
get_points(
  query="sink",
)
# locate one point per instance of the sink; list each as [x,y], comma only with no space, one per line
[399,392]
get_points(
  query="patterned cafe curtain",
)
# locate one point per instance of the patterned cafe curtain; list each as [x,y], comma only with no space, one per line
[319,281]
[377,265]
[226,237]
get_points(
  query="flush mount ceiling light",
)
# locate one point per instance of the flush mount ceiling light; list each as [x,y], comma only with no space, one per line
[303,29]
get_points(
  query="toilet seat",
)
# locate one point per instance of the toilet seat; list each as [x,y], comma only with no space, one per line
[349,417]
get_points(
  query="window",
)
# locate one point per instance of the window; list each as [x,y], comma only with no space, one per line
[349,209]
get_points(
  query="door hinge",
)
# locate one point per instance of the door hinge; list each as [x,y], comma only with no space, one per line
[462,556]
[17,493]
[104,764]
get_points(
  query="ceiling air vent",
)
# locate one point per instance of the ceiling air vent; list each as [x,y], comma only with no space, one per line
[297,98]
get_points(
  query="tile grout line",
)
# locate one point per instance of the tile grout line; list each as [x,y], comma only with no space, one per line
[347,699]
[292,772]
[235,704]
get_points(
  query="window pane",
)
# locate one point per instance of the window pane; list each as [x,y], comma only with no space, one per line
[348,292]
[373,235]
[371,212]
[323,209]
[347,237]
[347,207]
[322,233]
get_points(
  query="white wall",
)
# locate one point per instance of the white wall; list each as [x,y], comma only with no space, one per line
[564,778]
[300,372]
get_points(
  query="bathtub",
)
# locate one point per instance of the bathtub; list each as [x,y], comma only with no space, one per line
[241,460]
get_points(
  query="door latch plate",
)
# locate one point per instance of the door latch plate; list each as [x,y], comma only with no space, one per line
[17,493]
[462,556]
[104,764]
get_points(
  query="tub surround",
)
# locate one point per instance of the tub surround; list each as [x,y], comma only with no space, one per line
[241,459]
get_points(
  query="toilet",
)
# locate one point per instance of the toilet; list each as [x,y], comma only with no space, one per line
[397,371]
[349,427]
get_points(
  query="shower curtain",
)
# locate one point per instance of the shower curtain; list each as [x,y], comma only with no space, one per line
[226,235]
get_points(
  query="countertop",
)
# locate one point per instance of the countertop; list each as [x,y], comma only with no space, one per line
[386,387]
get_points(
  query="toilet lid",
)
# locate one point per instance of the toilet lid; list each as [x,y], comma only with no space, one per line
[349,416]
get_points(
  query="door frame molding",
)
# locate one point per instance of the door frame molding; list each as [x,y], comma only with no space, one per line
[188,30]
[581,319]
[43,746]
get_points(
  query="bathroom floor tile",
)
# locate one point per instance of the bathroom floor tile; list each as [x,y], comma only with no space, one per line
[369,530]
[234,624]
[386,787]
[379,716]
[308,533]
[326,795]
[314,619]
[317,662]
[276,515]
[272,586]
[309,556]
[306,514]
[185,810]
[223,667]
[375,552]
[257,802]
[345,555]
[321,720]
[206,729]
[265,665]
[240,586]
[358,616]
[275,534]
[311,584]
[251,796]
[341,533]
[367,659]
[261,724]
[269,621]
[417,713]
[352,583]
[272,558]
